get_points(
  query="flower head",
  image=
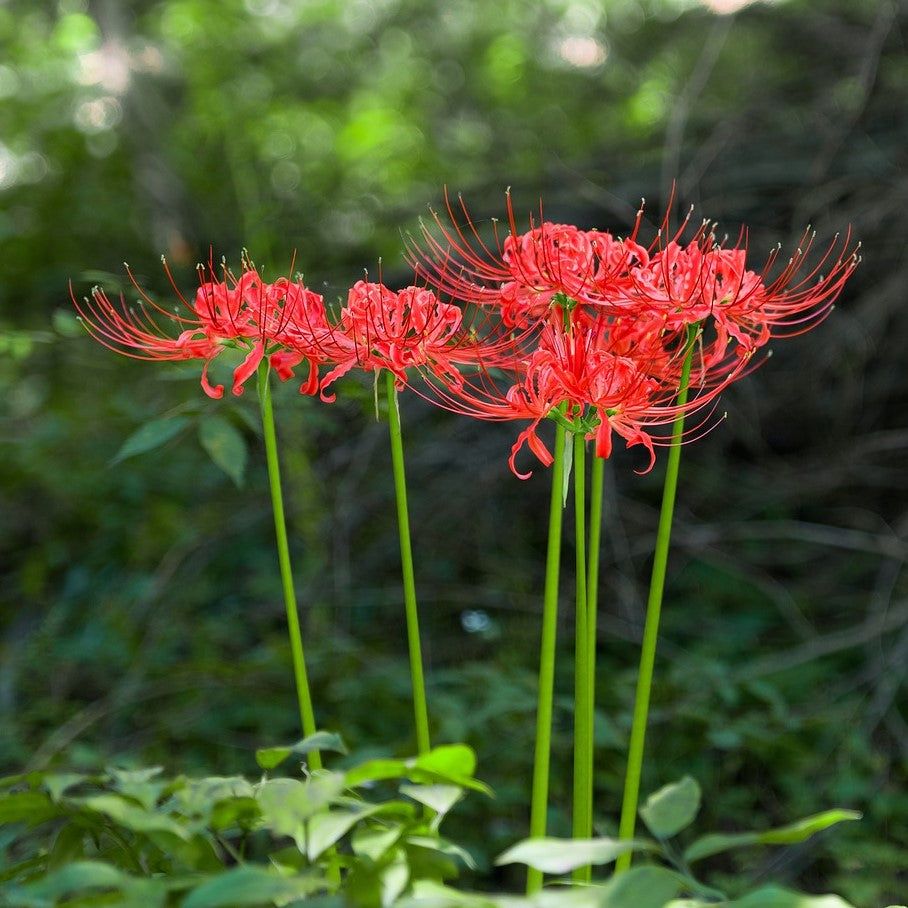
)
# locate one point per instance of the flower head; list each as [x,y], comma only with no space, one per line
[283,322]
[609,321]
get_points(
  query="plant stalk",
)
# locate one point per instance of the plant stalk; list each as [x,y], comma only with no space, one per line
[304,697]
[420,709]
[545,697]
[653,613]
[583,669]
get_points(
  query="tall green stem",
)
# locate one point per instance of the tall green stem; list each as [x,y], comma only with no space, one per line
[583,669]
[420,709]
[592,570]
[546,694]
[653,613]
[307,716]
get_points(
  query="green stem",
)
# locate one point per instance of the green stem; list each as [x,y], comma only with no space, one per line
[307,716]
[653,613]
[592,602]
[406,557]
[592,582]
[583,670]
[546,694]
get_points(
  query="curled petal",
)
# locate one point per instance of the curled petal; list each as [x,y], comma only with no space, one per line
[215,392]
[529,437]
[247,367]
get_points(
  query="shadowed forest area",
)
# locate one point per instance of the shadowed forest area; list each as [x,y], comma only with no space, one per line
[141,619]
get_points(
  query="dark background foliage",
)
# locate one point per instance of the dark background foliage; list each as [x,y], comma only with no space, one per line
[141,616]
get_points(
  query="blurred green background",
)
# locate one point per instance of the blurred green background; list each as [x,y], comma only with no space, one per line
[140,610]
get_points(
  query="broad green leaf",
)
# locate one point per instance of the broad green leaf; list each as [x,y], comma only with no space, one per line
[327,827]
[287,803]
[776,897]
[437,895]
[443,847]
[139,784]
[225,446]
[451,763]
[249,885]
[74,878]
[374,843]
[672,808]
[552,855]
[150,436]
[33,807]
[200,797]
[132,816]
[441,798]
[394,878]
[68,846]
[376,771]
[449,759]
[269,757]
[640,887]
[715,843]
[56,784]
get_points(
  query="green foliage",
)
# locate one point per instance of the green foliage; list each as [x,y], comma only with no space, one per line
[333,837]
[225,841]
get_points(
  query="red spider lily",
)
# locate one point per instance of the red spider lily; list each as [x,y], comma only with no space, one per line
[380,328]
[525,274]
[283,321]
[583,375]
[553,266]
[703,281]
[386,329]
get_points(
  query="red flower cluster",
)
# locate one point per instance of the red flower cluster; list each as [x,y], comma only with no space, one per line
[579,326]
[288,324]
[282,321]
[617,320]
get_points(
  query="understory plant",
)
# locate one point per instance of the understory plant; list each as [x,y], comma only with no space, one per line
[602,337]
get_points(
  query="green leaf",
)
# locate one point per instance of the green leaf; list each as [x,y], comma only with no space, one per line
[394,878]
[31,806]
[442,847]
[327,827]
[74,878]
[287,803]
[776,897]
[132,816]
[57,784]
[150,436]
[250,886]
[374,843]
[449,759]
[441,798]
[791,834]
[225,446]
[641,887]
[451,763]
[200,797]
[269,757]
[68,846]
[139,784]
[376,771]
[671,808]
[552,855]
